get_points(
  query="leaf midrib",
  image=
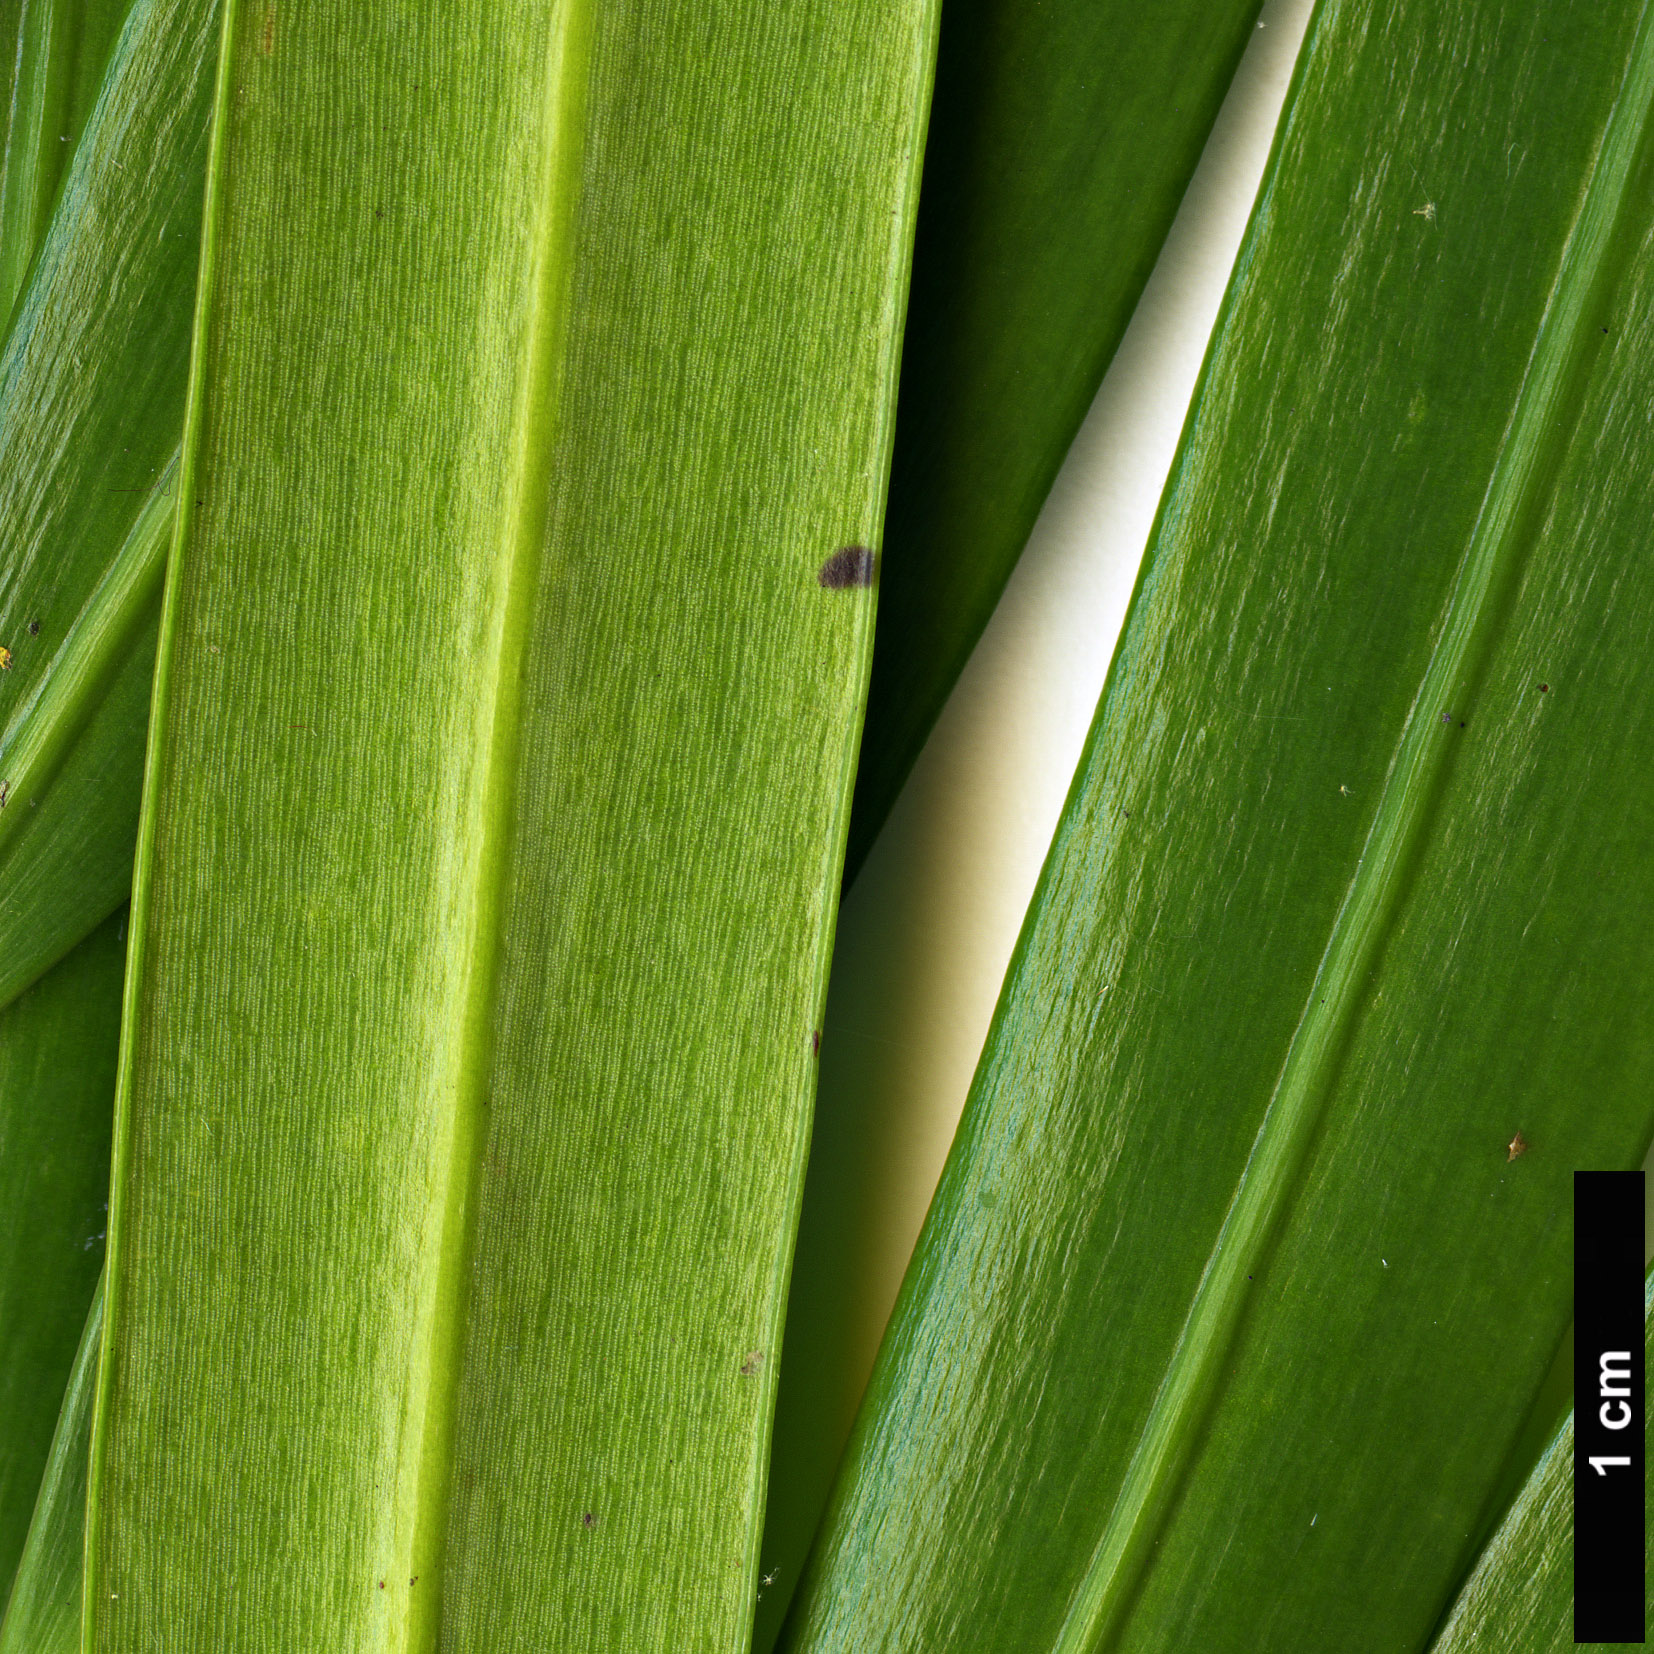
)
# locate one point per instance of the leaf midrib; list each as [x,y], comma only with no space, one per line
[500,727]
[1541,419]
[433,1390]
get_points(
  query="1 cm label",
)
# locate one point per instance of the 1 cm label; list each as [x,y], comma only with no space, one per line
[1614,1405]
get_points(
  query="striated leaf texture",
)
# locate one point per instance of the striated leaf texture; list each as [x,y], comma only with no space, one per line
[1252,1250]
[1519,1597]
[11,19]
[514,646]
[57,1090]
[92,384]
[1061,141]
[43,1615]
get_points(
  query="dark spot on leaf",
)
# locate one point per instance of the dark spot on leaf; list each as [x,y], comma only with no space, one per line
[815,1043]
[848,567]
[588,1520]
[414,1580]
[5,793]
[381,1585]
[34,628]
[754,1360]
[1544,689]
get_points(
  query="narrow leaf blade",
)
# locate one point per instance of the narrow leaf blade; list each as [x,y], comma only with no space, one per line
[515,640]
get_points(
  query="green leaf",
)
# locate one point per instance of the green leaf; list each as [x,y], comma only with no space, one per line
[1062,139]
[43,1615]
[92,383]
[11,19]
[1239,1283]
[1519,1597]
[514,646]
[57,1084]
[61,48]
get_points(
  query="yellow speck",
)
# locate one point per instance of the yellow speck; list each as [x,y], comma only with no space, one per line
[1518,1145]
[5,658]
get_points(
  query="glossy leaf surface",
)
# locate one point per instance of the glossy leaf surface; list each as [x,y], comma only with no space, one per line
[58,53]
[515,640]
[1062,140]
[57,1092]
[1252,1250]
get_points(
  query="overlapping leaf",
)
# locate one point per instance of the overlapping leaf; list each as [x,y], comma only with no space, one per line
[43,1615]
[1061,140]
[55,56]
[1061,143]
[92,383]
[1253,1247]
[57,1088]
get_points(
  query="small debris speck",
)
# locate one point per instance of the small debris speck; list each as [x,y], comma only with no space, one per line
[754,1360]
[588,1521]
[1517,1145]
[1544,689]
[34,628]
[848,567]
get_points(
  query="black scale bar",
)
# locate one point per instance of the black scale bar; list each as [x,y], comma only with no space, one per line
[1609,1602]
